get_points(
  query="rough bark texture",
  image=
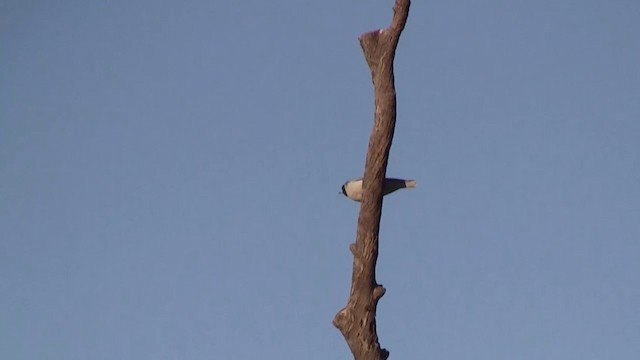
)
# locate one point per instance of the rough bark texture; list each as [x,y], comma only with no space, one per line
[357,321]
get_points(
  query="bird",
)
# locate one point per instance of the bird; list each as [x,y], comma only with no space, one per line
[353,188]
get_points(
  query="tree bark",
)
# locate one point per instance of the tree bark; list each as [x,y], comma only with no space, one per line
[357,321]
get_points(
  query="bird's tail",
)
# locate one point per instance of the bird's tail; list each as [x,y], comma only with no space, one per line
[391,185]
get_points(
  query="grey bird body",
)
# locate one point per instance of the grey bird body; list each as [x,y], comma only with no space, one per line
[353,188]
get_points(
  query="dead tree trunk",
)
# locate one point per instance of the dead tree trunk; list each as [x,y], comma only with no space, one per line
[357,321]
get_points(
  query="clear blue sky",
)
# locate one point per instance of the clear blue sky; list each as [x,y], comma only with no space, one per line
[169,177]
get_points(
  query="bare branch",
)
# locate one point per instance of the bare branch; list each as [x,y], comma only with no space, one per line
[357,320]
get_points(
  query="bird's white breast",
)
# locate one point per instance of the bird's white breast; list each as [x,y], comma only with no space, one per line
[354,189]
